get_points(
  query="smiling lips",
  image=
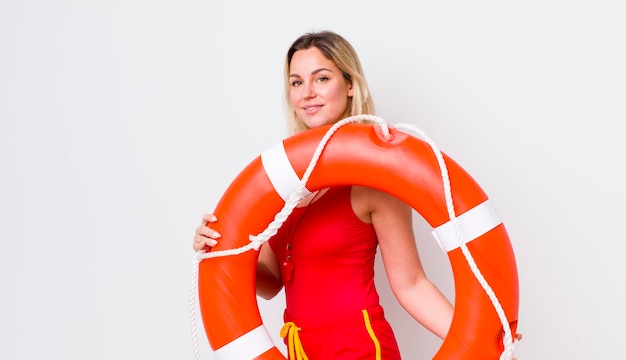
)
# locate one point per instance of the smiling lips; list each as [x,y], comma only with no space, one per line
[312,109]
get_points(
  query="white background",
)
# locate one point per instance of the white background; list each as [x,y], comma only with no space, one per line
[122,122]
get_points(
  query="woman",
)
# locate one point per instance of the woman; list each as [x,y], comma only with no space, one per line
[324,254]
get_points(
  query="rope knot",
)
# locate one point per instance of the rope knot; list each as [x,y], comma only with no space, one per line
[296,351]
[256,241]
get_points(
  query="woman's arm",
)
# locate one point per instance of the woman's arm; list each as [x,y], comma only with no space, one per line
[268,279]
[392,219]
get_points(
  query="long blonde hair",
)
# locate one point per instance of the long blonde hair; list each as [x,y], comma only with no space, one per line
[338,50]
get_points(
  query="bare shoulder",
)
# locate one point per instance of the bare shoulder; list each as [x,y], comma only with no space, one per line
[367,201]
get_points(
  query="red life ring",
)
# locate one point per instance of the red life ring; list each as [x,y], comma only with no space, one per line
[357,154]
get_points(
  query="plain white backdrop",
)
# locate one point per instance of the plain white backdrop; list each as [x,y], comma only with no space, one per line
[122,122]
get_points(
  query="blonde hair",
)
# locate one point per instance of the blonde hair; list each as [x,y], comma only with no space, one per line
[338,50]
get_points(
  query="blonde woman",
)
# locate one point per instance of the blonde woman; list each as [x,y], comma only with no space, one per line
[324,254]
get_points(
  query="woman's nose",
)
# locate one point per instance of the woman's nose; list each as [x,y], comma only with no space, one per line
[309,91]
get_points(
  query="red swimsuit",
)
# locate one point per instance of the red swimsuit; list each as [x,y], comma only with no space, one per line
[327,255]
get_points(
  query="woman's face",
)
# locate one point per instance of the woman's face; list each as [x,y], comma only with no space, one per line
[319,92]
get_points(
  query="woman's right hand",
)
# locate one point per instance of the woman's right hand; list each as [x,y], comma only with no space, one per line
[205,237]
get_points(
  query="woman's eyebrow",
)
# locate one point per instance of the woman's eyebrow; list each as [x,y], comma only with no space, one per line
[312,72]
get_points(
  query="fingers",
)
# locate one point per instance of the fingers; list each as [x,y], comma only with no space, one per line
[207,218]
[205,231]
[204,245]
[205,237]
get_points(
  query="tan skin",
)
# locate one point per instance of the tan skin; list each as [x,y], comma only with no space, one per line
[320,95]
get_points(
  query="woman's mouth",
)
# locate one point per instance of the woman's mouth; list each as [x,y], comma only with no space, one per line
[312,109]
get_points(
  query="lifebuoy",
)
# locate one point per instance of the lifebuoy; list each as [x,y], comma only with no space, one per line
[358,154]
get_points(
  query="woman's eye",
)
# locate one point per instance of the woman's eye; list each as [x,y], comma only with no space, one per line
[296,83]
[322,79]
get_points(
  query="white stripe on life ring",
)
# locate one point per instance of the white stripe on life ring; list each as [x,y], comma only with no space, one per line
[472,224]
[279,170]
[248,346]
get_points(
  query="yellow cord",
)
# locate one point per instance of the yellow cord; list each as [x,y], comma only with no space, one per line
[296,352]
[368,325]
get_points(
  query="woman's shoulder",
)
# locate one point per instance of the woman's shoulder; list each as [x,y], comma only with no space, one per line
[366,200]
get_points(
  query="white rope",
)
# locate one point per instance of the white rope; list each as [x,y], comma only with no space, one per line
[509,346]
[193,293]
[257,240]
